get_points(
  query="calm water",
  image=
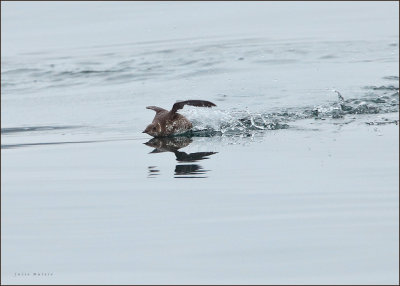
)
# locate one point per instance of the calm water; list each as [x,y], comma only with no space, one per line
[292,178]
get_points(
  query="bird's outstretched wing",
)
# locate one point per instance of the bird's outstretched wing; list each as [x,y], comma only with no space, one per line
[201,103]
[156,109]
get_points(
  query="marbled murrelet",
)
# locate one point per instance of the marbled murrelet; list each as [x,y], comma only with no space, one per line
[167,123]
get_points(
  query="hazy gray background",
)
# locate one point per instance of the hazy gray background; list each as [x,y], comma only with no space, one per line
[30,27]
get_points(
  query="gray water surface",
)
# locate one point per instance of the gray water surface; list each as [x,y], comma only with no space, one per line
[291,179]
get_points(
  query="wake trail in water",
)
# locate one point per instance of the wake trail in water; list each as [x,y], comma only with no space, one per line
[244,123]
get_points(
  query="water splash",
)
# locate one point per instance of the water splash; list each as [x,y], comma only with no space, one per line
[246,123]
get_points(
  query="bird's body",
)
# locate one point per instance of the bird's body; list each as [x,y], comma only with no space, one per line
[167,123]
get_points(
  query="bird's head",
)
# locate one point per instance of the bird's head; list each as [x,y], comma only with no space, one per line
[153,130]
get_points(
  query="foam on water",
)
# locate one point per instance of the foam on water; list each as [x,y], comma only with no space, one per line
[384,99]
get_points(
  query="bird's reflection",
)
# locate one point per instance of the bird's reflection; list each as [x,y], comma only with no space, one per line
[173,144]
[153,172]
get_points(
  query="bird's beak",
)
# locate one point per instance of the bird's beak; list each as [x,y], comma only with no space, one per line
[144,131]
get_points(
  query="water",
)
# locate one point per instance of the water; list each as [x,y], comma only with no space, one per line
[292,178]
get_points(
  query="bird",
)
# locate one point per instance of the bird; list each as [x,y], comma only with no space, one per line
[169,123]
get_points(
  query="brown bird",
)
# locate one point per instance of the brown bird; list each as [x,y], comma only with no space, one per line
[167,123]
